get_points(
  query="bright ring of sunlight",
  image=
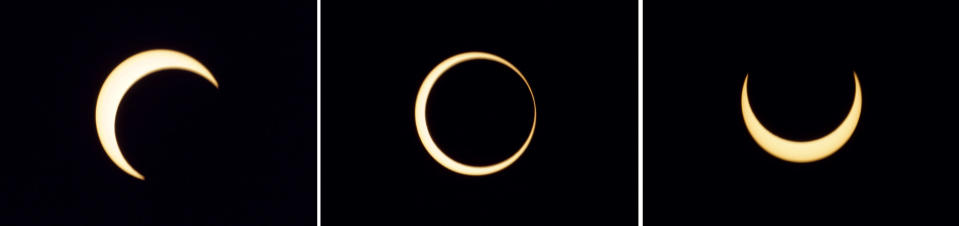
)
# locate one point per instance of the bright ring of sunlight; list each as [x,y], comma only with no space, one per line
[802,151]
[121,79]
[423,130]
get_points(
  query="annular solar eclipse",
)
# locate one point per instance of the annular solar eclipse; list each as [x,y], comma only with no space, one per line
[802,151]
[142,64]
[423,130]
[119,82]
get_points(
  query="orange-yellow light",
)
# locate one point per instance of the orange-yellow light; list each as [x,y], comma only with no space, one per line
[802,151]
[419,115]
[121,79]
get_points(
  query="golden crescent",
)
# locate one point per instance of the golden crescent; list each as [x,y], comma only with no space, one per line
[423,130]
[121,79]
[802,151]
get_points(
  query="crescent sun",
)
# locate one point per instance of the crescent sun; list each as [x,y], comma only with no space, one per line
[802,151]
[121,79]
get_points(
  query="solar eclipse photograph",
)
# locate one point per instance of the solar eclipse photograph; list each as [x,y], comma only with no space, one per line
[777,113]
[479,113]
[137,113]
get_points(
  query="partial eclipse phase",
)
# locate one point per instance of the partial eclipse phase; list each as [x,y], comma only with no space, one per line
[422,129]
[119,82]
[802,151]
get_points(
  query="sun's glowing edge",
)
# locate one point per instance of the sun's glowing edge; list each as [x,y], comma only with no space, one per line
[423,130]
[119,82]
[802,151]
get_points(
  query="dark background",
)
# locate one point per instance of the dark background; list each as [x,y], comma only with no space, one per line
[243,154]
[702,166]
[581,62]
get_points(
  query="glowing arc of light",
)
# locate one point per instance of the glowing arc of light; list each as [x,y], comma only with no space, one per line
[119,82]
[423,130]
[802,151]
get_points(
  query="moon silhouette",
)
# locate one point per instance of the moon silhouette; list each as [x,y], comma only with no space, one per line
[121,79]
[802,151]
[422,129]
